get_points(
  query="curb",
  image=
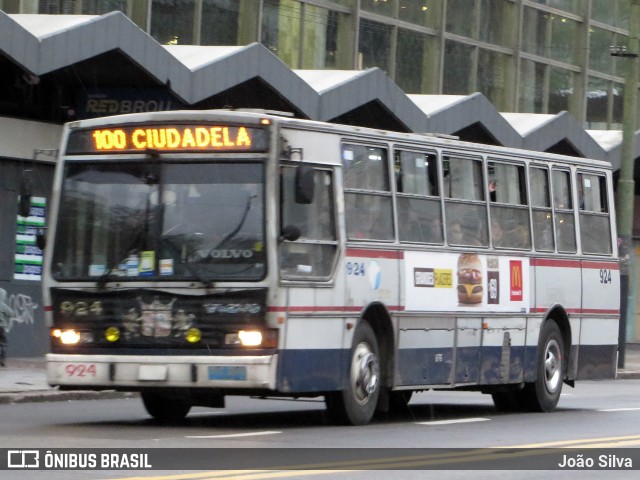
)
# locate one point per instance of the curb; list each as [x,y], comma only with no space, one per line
[628,375]
[61,396]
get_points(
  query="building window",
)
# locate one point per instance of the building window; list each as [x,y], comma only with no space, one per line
[375,45]
[219,22]
[410,59]
[458,72]
[172,21]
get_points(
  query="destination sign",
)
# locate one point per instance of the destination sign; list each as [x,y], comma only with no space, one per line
[174,138]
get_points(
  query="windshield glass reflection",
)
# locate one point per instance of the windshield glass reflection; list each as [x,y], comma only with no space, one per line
[168,221]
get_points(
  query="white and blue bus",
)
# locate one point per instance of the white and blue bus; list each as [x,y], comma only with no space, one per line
[198,254]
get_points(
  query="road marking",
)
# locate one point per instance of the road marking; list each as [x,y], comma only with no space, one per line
[459,420]
[235,435]
[630,409]
[452,459]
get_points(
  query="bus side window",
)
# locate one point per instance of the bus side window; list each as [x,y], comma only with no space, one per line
[541,207]
[563,209]
[367,197]
[595,226]
[509,212]
[313,254]
[419,212]
[465,206]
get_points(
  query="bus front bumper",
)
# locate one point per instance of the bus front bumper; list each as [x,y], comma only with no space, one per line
[97,372]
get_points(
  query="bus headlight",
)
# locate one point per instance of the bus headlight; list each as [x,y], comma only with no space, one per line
[66,337]
[244,338]
[250,338]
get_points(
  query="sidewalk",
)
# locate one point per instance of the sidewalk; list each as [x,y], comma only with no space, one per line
[25,380]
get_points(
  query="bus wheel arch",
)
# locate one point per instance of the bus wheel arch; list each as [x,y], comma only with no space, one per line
[368,370]
[377,315]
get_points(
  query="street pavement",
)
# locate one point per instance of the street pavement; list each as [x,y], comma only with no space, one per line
[25,380]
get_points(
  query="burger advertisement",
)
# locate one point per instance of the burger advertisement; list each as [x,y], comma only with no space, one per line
[466,281]
[470,291]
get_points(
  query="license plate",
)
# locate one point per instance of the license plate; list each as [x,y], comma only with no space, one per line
[152,372]
[227,373]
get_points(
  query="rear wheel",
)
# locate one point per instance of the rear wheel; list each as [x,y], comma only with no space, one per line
[166,408]
[356,404]
[543,394]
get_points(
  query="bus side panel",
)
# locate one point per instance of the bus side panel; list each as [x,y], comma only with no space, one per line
[503,351]
[597,353]
[312,360]
[468,350]
[558,282]
[425,351]
[598,350]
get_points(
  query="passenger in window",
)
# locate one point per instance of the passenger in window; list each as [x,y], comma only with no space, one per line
[493,187]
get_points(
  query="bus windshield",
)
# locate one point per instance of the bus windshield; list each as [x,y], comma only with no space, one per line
[161,220]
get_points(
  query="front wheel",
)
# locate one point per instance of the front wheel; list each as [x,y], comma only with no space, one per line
[356,404]
[543,394]
[166,408]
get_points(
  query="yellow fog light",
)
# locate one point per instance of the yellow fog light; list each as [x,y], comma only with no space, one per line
[112,334]
[193,335]
[250,338]
[69,337]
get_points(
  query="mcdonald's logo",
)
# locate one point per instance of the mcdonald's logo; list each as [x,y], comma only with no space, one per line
[516,287]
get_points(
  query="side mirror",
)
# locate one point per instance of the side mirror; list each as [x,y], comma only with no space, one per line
[24,205]
[290,233]
[305,184]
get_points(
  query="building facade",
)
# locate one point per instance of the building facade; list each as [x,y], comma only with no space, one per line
[533,56]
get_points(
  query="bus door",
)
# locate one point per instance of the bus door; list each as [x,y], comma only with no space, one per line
[311,351]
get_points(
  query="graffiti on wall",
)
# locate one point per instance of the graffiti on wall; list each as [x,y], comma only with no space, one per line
[17,309]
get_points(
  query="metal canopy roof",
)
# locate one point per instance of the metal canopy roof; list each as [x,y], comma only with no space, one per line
[47,61]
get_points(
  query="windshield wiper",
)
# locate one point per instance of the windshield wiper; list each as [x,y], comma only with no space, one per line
[235,231]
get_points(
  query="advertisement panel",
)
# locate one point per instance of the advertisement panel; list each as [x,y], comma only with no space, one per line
[466,281]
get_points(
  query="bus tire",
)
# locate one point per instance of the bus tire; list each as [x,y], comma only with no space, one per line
[543,394]
[356,404]
[165,408]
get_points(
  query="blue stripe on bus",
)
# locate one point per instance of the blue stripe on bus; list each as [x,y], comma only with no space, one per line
[327,370]
[473,365]
[319,370]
